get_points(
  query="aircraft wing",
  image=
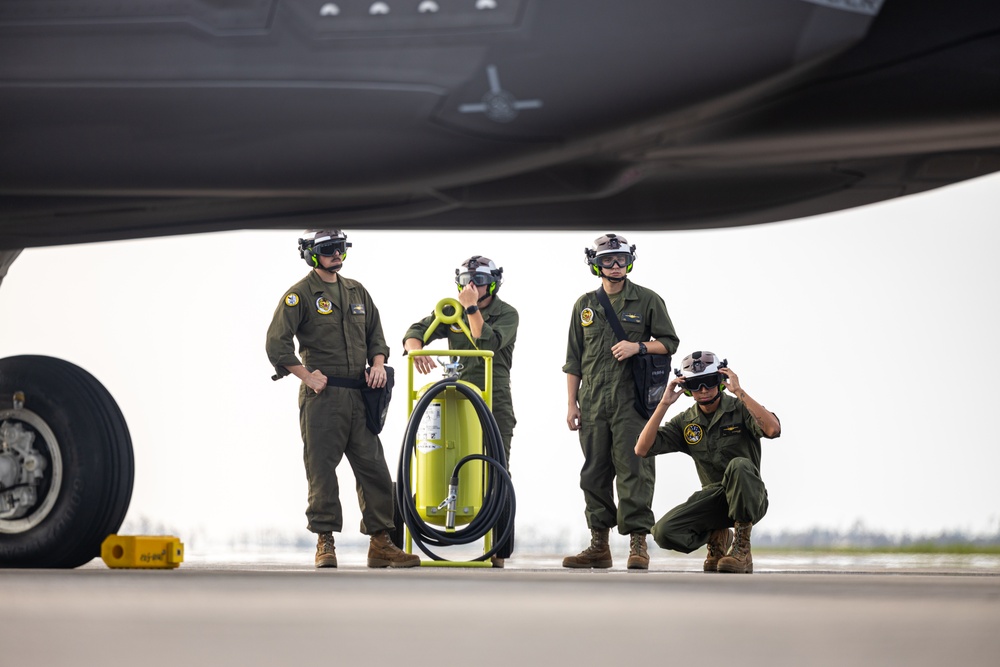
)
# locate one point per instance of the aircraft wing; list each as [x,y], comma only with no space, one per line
[146,118]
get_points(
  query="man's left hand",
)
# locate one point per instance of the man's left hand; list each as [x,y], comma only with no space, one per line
[732,381]
[624,349]
[469,296]
[376,376]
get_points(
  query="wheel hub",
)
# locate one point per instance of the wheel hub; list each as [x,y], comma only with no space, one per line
[25,467]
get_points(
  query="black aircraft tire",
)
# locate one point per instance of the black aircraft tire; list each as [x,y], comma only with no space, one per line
[97,462]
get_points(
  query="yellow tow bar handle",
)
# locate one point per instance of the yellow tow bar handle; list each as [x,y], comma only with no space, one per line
[455,318]
[440,317]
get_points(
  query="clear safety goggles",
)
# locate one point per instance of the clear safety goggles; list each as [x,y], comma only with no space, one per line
[476,278]
[622,259]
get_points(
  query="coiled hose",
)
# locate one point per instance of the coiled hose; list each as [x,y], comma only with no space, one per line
[499,495]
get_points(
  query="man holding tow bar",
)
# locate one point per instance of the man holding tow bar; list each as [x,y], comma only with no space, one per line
[722,434]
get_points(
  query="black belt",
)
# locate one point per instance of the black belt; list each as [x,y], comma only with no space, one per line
[344,382]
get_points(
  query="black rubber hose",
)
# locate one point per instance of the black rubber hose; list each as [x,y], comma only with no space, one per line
[499,489]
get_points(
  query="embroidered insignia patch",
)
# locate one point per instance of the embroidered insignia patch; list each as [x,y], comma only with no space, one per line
[632,318]
[324,306]
[587,317]
[731,430]
[455,328]
[357,309]
[693,434]
[292,299]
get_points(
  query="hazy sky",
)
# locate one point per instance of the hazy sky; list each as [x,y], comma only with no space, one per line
[871,333]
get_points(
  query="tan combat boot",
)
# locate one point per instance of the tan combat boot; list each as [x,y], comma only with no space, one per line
[638,557]
[739,559]
[719,541]
[383,553]
[598,554]
[326,553]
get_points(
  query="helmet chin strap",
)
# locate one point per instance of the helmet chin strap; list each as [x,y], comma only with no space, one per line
[717,397]
[331,269]
[614,280]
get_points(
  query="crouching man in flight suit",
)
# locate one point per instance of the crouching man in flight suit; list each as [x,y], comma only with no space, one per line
[339,332]
[722,434]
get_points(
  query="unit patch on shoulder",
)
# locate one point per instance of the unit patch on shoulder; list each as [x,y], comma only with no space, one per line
[632,318]
[586,317]
[693,434]
[357,309]
[454,328]
[292,299]
[324,306]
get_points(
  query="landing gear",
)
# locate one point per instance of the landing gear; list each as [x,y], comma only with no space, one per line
[66,465]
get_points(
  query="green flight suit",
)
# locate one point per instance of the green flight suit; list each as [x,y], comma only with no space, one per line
[499,333]
[725,446]
[339,332]
[609,423]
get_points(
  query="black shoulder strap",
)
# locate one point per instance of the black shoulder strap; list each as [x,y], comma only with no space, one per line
[610,313]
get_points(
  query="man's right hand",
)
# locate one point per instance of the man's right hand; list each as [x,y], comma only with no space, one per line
[424,365]
[315,381]
[573,418]
[673,391]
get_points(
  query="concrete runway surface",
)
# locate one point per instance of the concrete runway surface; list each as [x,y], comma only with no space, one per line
[279,611]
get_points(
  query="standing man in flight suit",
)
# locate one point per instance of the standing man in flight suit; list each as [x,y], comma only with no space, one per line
[601,394]
[722,434]
[339,332]
[493,324]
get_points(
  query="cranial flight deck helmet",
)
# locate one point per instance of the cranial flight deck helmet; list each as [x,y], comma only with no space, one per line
[701,369]
[322,242]
[609,250]
[479,271]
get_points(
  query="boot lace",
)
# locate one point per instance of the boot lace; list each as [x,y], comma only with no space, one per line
[638,544]
[326,545]
[717,544]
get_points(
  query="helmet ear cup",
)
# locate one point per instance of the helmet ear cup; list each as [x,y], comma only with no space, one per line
[596,271]
[309,257]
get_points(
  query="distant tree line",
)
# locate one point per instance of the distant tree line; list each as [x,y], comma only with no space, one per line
[859,536]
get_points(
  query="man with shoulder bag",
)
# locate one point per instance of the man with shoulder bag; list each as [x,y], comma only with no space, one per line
[603,400]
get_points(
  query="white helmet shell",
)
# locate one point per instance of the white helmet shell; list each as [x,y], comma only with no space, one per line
[609,244]
[701,363]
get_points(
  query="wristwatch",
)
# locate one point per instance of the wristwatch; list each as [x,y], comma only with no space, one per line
[472,309]
[642,349]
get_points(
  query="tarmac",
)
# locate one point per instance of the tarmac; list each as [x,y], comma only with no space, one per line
[273,609]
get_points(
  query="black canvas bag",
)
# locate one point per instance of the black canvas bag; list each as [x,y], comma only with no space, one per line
[376,399]
[650,372]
